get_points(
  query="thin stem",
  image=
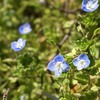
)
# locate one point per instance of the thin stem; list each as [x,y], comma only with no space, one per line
[5,94]
[63,40]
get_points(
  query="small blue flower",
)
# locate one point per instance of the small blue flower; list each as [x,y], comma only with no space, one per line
[17,46]
[24,29]
[89,5]
[22,97]
[58,65]
[81,62]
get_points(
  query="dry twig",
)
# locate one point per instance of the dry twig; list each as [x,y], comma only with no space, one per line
[5,94]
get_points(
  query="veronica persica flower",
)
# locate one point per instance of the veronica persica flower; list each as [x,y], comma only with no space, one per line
[22,97]
[81,62]
[25,28]
[58,65]
[89,5]
[18,45]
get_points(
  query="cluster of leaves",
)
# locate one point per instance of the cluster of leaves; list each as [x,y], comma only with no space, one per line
[25,72]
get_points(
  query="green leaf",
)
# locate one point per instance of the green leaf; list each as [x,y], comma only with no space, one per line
[68,24]
[94,88]
[83,43]
[82,78]
[51,42]
[55,85]
[97,31]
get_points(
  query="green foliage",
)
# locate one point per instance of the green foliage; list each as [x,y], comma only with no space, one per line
[25,72]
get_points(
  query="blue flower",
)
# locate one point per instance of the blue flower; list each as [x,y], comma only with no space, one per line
[22,97]
[89,5]
[17,46]
[58,65]
[81,62]
[24,29]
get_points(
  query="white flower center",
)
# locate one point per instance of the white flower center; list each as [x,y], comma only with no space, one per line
[90,5]
[26,29]
[81,62]
[19,45]
[59,65]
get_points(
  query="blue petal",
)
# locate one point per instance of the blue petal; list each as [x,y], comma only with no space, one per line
[96,6]
[58,58]
[86,10]
[17,49]
[58,72]
[75,61]
[80,67]
[51,65]
[84,2]
[22,28]
[23,45]
[83,57]
[14,44]
[22,97]
[87,63]
[94,2]
[65,66]
[20,40]
[93,9]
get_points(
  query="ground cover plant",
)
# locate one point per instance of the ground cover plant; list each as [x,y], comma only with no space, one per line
[49,50]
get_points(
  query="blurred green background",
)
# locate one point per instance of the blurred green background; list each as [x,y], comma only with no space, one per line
[25,72]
